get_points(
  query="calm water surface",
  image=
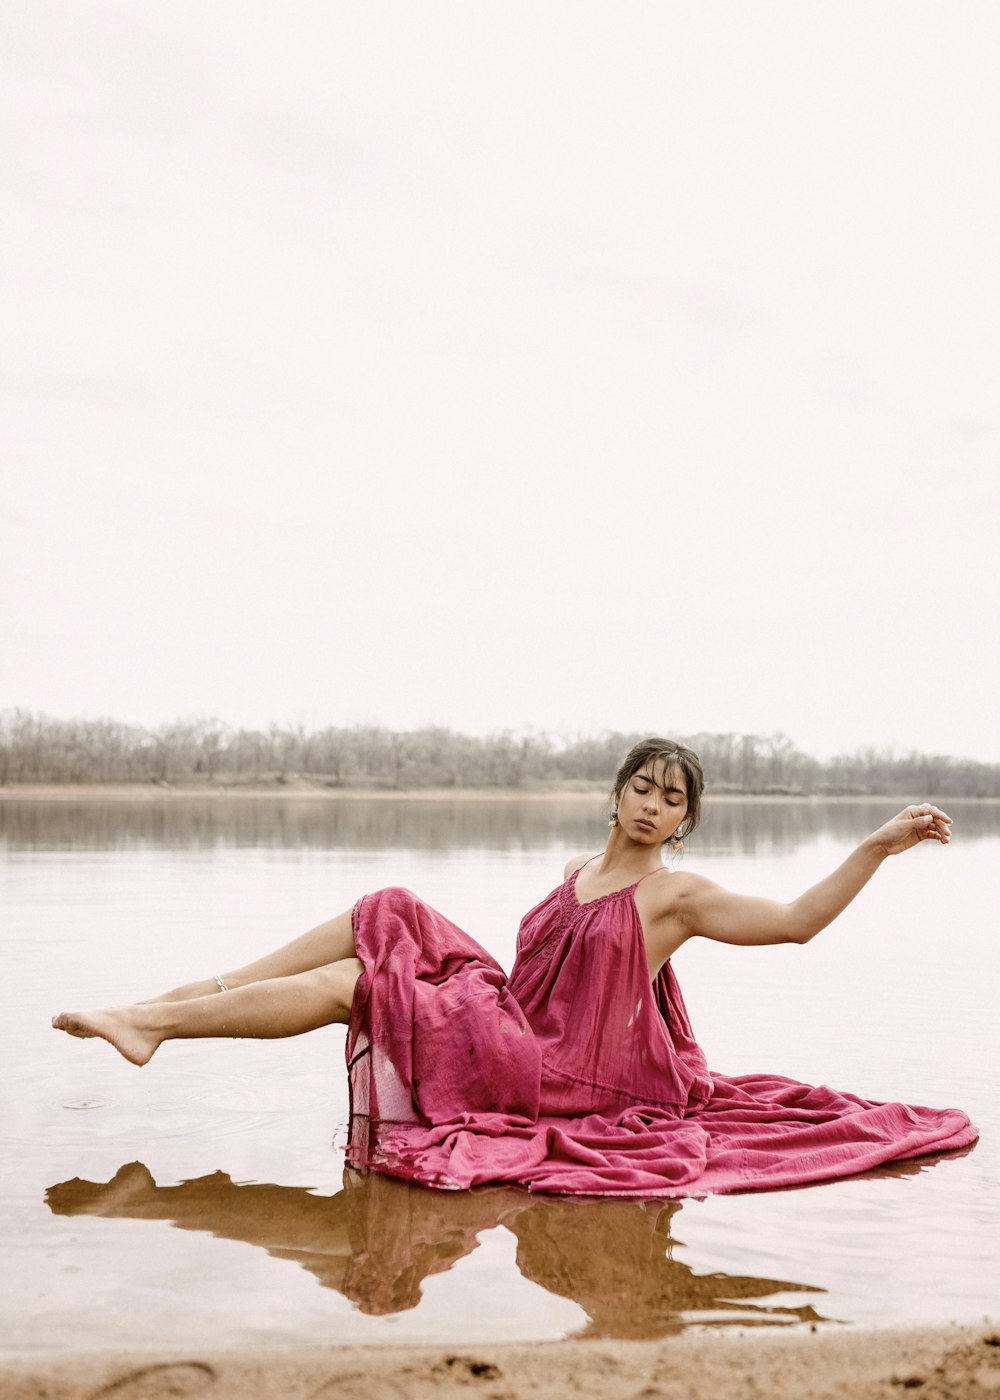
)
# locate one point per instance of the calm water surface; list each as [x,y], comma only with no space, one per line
[203,1200]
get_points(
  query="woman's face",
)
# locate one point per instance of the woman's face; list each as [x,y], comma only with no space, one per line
[653,803]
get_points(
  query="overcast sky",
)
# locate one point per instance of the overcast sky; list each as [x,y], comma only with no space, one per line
[557,365]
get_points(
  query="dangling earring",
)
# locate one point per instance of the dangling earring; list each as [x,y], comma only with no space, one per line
[678,845]
[614,817]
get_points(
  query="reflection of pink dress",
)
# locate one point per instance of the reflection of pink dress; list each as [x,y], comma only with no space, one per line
[576,1075]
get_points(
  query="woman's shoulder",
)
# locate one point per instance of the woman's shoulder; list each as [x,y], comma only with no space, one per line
[661,892]
[572,866]
[680,884]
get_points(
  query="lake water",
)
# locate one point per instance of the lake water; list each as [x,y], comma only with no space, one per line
[202,1201]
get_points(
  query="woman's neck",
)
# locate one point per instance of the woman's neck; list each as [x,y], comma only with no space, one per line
[628,857]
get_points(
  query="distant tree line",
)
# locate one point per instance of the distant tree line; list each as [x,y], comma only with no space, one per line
[38,749]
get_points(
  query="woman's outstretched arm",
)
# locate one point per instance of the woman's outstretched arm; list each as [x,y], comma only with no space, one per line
[705,909]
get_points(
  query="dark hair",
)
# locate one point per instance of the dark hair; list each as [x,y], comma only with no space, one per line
[674,755]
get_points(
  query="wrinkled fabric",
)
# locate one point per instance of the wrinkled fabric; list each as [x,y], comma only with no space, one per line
[576,1075]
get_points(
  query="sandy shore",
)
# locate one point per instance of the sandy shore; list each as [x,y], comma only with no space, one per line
[939,1362]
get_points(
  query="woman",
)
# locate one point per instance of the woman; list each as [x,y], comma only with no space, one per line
[579,1073]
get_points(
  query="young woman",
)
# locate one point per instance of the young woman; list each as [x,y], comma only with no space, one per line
[579,1073]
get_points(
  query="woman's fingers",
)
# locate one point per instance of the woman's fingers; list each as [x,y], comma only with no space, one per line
[930,821]
[919,822]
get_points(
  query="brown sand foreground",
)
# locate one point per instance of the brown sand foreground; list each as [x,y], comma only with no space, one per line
[936,1363]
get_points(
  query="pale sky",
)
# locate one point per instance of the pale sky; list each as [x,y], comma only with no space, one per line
[543,364]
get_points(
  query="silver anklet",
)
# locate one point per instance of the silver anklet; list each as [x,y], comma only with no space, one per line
[222,985]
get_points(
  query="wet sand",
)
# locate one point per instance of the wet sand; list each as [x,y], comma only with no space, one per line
[934,1362]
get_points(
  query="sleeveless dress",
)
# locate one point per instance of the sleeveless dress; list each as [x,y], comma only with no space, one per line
[577,1075]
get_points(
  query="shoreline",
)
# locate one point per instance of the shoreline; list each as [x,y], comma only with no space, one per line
[146,792]
[870,1364]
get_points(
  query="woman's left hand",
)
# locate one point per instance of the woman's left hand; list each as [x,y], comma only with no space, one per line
[913,825]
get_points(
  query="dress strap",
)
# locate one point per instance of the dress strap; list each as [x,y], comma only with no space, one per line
[585,863]
[647,875]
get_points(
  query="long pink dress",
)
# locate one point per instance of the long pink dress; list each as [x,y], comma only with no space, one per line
[576,1075]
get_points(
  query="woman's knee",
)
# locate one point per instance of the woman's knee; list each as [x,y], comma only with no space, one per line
[337,981]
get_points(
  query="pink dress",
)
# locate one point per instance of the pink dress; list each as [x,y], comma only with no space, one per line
[576,1075]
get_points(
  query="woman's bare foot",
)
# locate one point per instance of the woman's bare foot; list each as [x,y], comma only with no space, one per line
[121,1027]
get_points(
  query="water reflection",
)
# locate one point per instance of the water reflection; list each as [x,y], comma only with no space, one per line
[514,824]
[377,1239]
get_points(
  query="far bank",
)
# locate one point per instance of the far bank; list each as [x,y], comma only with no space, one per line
[303,789]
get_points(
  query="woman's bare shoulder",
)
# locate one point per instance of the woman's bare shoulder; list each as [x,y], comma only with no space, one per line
[665,890]
[686,885]
[573,865]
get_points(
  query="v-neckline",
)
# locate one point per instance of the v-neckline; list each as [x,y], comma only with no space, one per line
[623,889]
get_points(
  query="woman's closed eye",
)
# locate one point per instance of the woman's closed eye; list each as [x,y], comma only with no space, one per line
[642,791]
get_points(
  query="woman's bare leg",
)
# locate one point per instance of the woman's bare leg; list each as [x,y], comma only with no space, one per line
[329,942]
[264,1010]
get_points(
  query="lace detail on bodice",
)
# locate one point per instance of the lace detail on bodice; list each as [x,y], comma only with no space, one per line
[571,912]
[573,908]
